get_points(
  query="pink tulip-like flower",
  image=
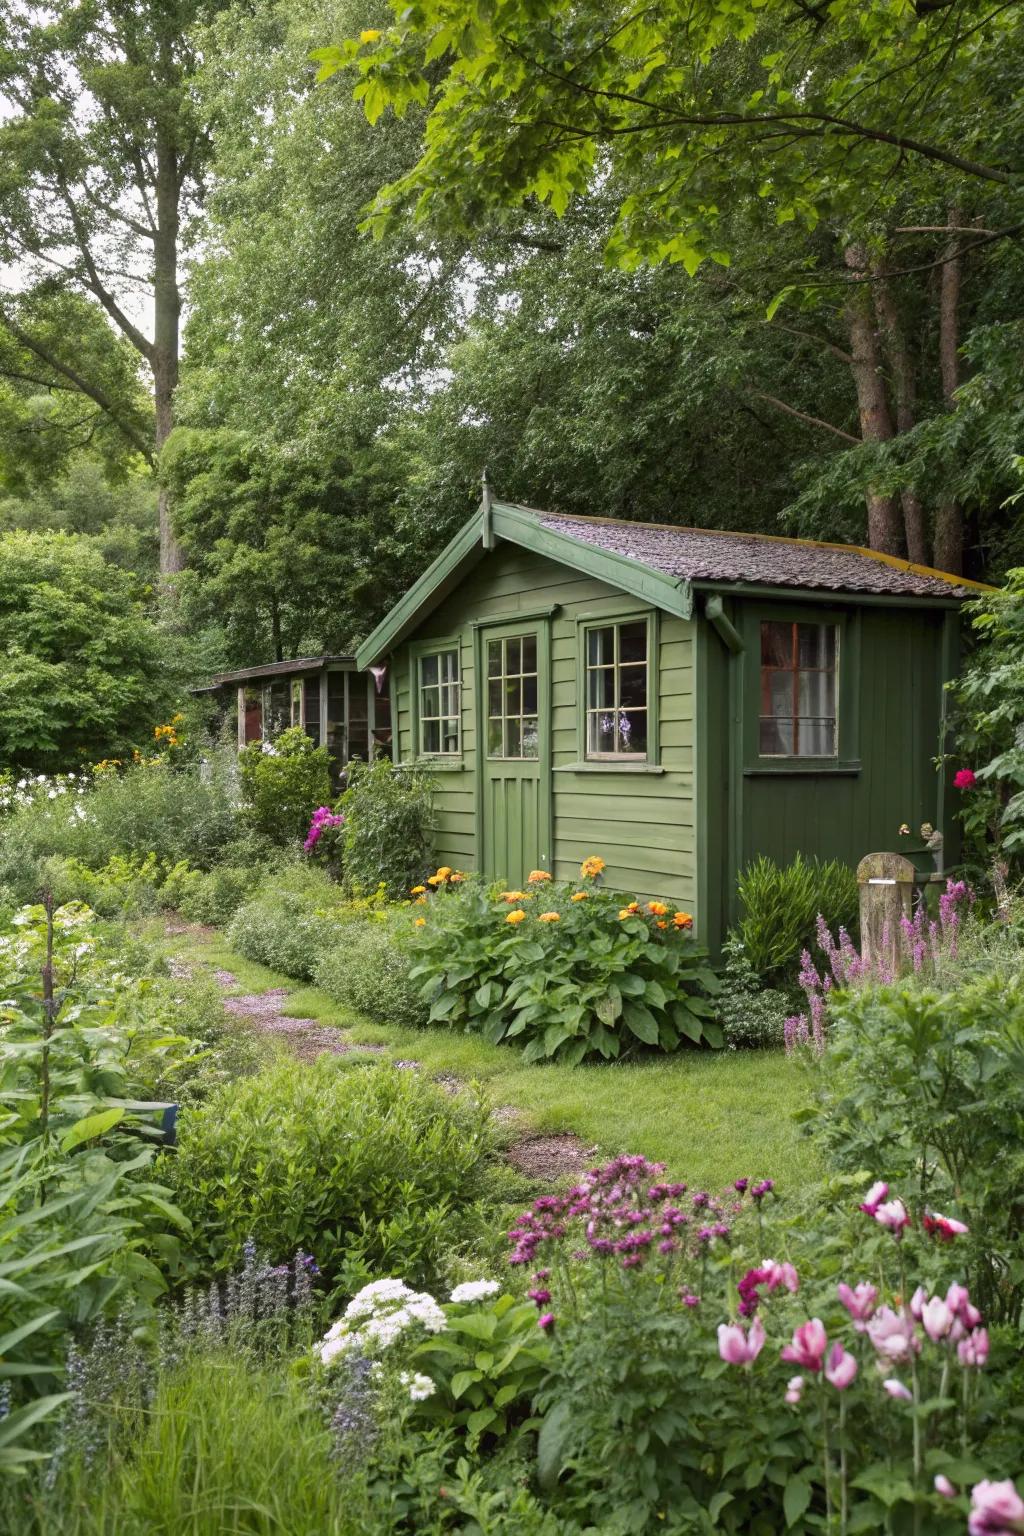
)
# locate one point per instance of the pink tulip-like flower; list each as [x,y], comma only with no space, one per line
[965,778]
[936,1319]
[780,1274]
[808,1346]
[858,1301]
[892,1335]
[944,1486]
[840,1368]
[898,1390]
[794,1390]
[996,1509]
[737,1347]
[958,1300]
[892,1214]
[945,1228]
[973,1351]
[874,1197]
[917,1303]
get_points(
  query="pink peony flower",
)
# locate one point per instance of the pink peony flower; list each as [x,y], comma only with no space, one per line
[996,1509]
[892,1335]
[898,1390]
[808,1346]
[794,1390]
[973,1351]
[893,1215]
[841,1368]
[874,1197]
[965,778]
[737,1347]
[859,1302]
[936,1319]
[944,1486]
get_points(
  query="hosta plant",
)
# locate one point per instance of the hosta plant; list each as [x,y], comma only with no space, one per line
[566,968]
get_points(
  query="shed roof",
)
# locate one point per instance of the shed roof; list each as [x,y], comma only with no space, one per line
[282,668]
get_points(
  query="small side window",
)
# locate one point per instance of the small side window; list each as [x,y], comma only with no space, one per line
[439,704]
[617,681]
[799,668]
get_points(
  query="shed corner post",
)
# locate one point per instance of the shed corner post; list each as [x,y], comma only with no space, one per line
[241,716]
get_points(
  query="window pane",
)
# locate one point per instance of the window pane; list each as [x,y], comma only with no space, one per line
[633,687]
[633,642]
[429,669]
[430,706]
[431,730]
[494,738]
[513,655]
[531,738]
[776,737]
[530,695]
[358,701]
[632,731]
[817,737]
[601,732]
[450,736]
[529,653]
[494,658]
[513,696]
[601,688]
[776,644]
[600,647]
[494,696]
[512,738]
[816,645]
[816,693]
[449,666]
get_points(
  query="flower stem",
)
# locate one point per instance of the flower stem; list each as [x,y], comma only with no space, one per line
[826,1455]
[917,1444]
[843,1512]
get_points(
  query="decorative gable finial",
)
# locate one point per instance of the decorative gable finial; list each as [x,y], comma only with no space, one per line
[486,504]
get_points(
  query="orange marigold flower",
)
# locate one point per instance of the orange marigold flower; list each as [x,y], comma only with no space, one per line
[513,896]
[683,920]
[421,901]
[657,907]
[549,917]
[444,871]
[580,896]
[417,890]
[625,912]
[419,923]
[435,880]
[536,876]
[457,876]
[516,917]
[661,923]
[591,867]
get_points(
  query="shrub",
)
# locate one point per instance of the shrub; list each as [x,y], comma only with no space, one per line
[928,1085]
[283,783]
[565,967]
[284,930]
[153,808]
[780,907]
[389,826]
[363,1166]
[751,1014]
[367,969]
[216,897]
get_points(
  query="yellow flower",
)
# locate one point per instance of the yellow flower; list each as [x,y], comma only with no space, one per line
[516,917]
[444,871]
[661,923]
[580,896]
[457,877]
[513,896]
[536,876]
[369,35]
[435,880]
[549,917]
[420,922]
[625,912]
[592,867]
[418,890]
[683,920]
[658,908]
[904,829]
[421,901]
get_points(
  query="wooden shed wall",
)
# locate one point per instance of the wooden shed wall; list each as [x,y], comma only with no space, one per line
[642,823]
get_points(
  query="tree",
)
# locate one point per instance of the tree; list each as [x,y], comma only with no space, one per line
[83,674]
[103,158]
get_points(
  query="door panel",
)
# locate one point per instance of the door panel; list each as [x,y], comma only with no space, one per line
[514,755]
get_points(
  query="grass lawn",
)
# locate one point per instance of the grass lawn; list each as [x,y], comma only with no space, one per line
[711,1116]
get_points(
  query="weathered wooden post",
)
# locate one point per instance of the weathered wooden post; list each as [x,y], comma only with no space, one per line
[886,882]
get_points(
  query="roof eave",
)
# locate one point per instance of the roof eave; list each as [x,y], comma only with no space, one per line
[805,594]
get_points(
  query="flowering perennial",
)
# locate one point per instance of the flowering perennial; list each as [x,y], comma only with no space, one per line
[323,819]
[378,1315]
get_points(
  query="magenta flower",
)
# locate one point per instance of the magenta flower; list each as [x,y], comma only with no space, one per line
[958,1300]
[965,778]
[945,1228]
[859,1302]
[737,1347]
[874,1197]
[936,1319]
[540,1296]
[794,1390]
[997,1509]
[892,1214]
[973,1351]
[840,1368]
[546,1321]
[892,1335]
[897,1390]
[944,1486]
[808,1346]
[689,1299]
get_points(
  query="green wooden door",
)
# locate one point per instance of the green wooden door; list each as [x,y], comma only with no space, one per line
[513,665]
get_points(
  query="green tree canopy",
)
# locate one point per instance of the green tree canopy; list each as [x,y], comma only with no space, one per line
[83,674]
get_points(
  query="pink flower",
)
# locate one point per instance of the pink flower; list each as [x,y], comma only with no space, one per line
[973,1351]
[859,1302]
[892,1334]
[841,1368]
[546,1321]
[898,1390]
[944,1486]
[808,1346]
[917,1303]
[689,1299]
[780,1274]
[936,1319]
[737,1347]
[965,778]
[794,1390]
[874,1197]
[945,1228]
[892,1214]
[958,1300]
[996,1509]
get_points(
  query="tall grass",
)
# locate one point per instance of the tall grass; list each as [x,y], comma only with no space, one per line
[779,906]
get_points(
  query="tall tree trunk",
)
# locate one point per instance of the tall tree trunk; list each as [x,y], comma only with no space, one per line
[166,327]
[949,522]
[884,515]
[905,394]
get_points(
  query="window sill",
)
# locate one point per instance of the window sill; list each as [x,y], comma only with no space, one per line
[822,766]
[440,764]
[609,767]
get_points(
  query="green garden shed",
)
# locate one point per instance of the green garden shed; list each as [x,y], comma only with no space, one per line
[676,700]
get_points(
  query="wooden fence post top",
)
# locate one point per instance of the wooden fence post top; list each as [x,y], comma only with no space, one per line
[888,867]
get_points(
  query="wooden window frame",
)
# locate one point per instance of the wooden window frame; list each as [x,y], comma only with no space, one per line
[418,653]
[619,762]
[486,717]
[847,623]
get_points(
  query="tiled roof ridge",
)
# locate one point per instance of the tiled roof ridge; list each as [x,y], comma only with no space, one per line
[895,562]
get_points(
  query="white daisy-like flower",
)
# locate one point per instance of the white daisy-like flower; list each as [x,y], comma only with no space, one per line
[475,1290]
[330,1349]
[420,1386]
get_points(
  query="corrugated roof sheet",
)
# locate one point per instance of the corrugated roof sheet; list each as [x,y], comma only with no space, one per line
[702,554]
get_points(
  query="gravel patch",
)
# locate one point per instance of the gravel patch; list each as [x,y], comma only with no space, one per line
[550,1157]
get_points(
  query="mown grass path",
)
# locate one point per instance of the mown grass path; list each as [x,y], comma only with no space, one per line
[711,1116]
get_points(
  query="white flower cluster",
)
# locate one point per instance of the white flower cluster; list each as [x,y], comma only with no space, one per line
[34,788]
[475,1290]
[420,1387]
[376,1316]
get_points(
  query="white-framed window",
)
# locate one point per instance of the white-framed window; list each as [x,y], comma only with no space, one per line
[439,704]
[617,688]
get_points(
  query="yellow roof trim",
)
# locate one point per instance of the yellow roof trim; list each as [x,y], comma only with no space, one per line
[895,561]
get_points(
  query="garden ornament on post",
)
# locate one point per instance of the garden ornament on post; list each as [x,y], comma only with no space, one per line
[886,884]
